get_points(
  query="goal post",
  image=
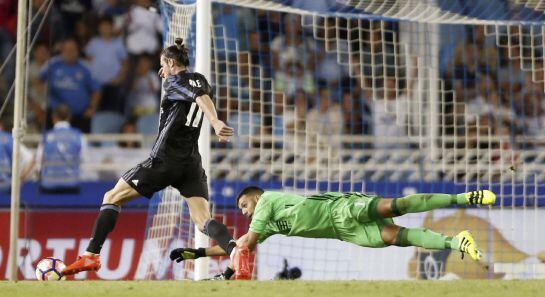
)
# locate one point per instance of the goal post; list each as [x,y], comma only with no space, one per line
[17,138]
[202,65]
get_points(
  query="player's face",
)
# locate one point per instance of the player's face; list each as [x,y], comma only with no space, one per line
[247,205]
[167,65]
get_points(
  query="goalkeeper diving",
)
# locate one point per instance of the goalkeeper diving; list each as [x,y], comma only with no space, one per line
[361,219]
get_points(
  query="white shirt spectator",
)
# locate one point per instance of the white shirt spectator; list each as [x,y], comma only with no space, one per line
[142,98]
[389,121]
[324,124]
[142,30]
[286,51]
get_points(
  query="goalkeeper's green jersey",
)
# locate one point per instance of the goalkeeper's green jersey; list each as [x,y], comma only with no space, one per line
[317,216]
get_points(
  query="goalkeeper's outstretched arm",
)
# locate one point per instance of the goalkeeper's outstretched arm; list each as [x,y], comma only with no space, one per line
[180,254]
[249,239]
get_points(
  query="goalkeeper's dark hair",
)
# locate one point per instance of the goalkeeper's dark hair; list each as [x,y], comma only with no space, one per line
[177,52]
[251,190]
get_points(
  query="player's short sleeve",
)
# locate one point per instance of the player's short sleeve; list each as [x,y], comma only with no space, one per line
[261,216]
[192,87]
[174,90]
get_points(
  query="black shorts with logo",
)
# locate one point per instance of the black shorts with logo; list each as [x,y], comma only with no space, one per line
[155,174]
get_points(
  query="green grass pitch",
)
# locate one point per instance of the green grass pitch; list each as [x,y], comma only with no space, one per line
[481,288]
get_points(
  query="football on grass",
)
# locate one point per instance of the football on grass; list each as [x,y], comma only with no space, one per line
[49,269]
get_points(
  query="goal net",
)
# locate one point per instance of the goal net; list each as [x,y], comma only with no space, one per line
[383,97]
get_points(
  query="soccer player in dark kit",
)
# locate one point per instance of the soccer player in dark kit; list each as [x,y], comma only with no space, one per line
[174,159]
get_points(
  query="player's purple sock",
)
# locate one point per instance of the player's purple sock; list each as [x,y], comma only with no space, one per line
[104,224]
[220,234]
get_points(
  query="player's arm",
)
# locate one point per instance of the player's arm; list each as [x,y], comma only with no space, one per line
[249,240]
[181,254]
[207,106]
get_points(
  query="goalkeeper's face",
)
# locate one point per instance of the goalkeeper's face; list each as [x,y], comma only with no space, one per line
[247,204]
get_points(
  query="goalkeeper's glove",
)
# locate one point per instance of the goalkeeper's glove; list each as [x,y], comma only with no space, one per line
[186,254]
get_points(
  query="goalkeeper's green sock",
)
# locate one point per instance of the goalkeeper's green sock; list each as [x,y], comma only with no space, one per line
[425,202]
[426,238]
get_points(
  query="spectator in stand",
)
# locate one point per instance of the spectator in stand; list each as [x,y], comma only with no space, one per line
[246,119]
[333,57]
[142,28]
[143,93]
[316,5]
[52,29]
[511,77]
[110,8]
[489,102]
[292,43]
[70,82]
[60,155]
[390,114]
[6,154]
[464,72]
[378,54]
[239,80]
[325,122]
[129,127]
[8,21]
[483,55]
[535,79]
[356,112]
[289,114]
[288,121]
[228,24]
[83,33]
[530,110]
[109,65]
[37,91]
[72,11]
[293,76]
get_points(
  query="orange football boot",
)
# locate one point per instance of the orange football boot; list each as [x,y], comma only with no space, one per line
[83,263]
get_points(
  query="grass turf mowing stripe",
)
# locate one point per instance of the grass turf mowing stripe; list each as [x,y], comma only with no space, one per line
[473,288]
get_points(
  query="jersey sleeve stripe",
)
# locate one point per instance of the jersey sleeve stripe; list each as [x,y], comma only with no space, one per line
[181,93]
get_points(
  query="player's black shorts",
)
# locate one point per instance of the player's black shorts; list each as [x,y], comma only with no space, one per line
[155,174]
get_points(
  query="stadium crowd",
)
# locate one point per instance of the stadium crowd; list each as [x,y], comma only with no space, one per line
[99,57]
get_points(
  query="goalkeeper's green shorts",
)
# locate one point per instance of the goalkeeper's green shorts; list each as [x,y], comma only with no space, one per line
[353,224]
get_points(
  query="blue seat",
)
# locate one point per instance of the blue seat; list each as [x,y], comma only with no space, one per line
[107,122]
[148,124]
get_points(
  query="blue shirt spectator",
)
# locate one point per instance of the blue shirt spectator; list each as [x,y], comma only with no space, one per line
[70,82]
[227,30]
[60,155]
[6,153]
[246,122]
[107,54]
[6,146]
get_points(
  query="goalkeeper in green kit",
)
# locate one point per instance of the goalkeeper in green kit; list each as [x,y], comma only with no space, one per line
[358,218]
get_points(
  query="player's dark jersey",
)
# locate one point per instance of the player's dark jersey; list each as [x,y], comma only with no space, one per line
[180,117]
